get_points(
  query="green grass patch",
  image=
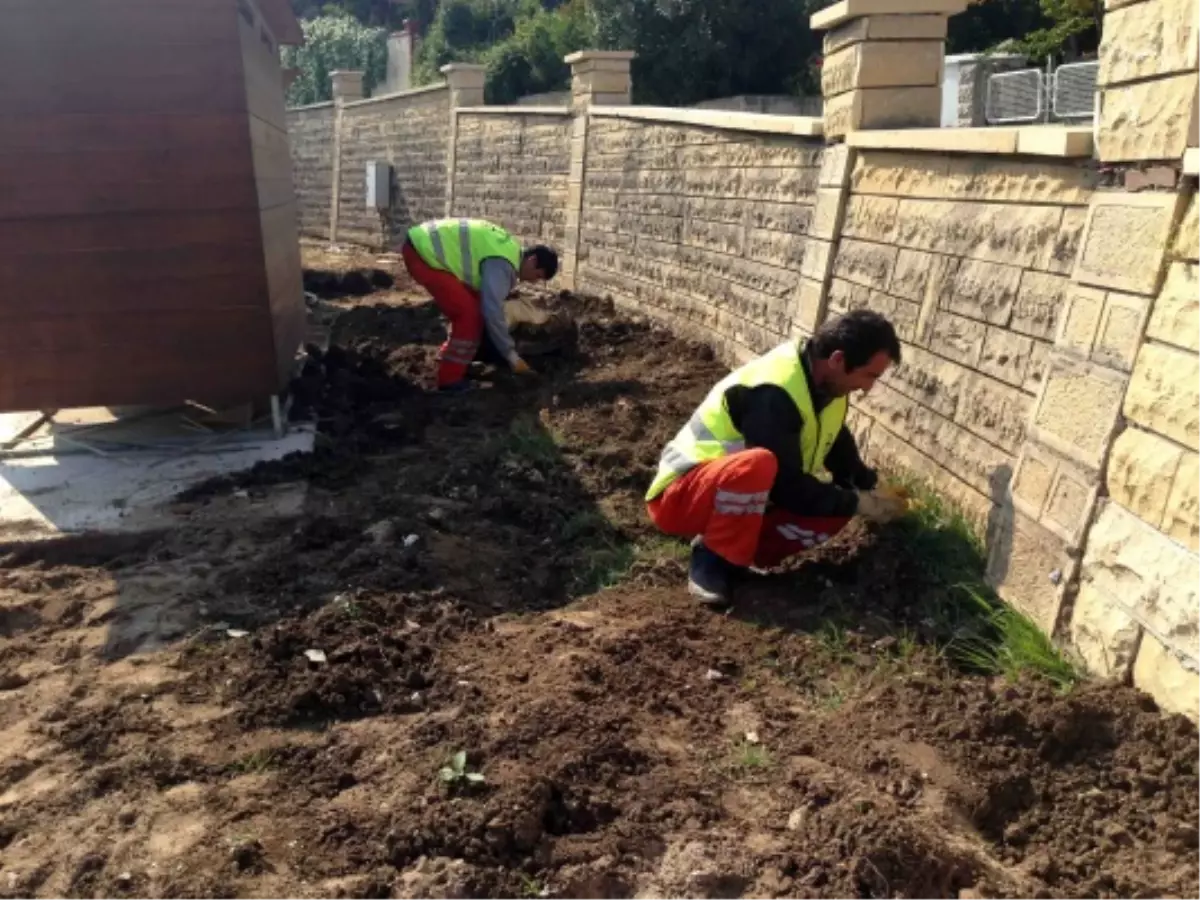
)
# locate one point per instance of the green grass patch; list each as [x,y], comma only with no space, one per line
[527,439]
[1015,648]
[751,757]
[984,634]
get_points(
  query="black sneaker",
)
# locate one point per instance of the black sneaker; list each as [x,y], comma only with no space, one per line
[710,577]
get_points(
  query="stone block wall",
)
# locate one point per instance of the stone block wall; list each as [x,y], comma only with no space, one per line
[311,136]
[512,169]
[410,130]
[1137,608]
[969,257]
[702,226]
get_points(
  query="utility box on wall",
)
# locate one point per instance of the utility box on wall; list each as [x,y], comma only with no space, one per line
[149,248]
[379,186]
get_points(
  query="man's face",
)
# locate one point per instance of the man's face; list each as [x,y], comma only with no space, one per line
[842,383]
[529,270]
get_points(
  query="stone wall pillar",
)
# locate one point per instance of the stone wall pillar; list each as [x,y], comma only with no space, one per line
[347,86]
[1127,347]
[598,78]
[466,82]
[1147,81]
[883,63]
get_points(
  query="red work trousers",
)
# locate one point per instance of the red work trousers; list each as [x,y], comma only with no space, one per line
[458,303]
[725,502]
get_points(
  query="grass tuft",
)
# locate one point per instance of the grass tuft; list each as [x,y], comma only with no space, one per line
[1015,648]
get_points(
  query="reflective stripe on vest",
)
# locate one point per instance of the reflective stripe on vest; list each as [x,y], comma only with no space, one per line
[710,433]
[459,246]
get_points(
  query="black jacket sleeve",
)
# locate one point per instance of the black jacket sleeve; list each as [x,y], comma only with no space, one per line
[846,465]
[767,418]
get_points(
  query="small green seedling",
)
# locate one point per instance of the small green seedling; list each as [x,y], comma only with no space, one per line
[456,773]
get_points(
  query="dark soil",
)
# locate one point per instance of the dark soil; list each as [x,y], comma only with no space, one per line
[444,591]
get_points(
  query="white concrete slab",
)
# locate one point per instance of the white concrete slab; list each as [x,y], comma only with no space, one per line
[54,492]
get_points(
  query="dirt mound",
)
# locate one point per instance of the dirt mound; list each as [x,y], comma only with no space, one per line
[265,707]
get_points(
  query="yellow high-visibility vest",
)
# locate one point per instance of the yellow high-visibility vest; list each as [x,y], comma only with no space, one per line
[459,246]
[710,434]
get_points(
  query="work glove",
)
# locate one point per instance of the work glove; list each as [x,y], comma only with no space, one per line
[521,367]
[880,507]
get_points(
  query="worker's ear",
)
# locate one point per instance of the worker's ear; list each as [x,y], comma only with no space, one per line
[837,361]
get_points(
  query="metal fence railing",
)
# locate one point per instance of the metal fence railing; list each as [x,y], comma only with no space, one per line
[1035,95]
[1015,97]
[1073,91]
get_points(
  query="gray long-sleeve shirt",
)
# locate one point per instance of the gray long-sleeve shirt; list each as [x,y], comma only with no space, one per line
[497,279]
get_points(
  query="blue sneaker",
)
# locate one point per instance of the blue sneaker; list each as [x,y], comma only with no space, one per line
[459,387]
[710,577]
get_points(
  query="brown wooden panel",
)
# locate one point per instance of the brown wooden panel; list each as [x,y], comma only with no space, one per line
[167,333]
[24,199]
[166,165]
[196,278]
[213,133]
[90,78]
[135,378]
[145,232]
[119,24]
[75,296]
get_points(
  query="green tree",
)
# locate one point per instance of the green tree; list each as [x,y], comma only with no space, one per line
[1072,30]
[530,61]
[334,42]
[692,50]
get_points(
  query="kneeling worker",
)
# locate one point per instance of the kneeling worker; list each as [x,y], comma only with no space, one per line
[470,267]
[741,474]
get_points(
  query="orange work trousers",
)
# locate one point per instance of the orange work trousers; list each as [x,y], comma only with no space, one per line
[460,304]
[726,503]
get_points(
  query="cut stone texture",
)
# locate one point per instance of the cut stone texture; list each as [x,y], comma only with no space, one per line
[1078,409]
[1120,330]
[882,64]
[1148,119]
[886,28]
[1155,37]
[1164,395]
[1069,505]
[1035,474]
[1027,565]
[1183,507]
[1104,634]
[1141,470]
[1187,238]
[908,107]
[1176,316]
[1139,568]
[1174,686]
[1080,321]
[1125,241]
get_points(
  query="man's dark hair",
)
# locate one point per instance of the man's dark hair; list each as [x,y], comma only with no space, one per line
[859,334]
[547,259]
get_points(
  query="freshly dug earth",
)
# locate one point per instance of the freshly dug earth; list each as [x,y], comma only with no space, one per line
[259,705]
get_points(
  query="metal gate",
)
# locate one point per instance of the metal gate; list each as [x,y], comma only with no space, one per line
[1036,95]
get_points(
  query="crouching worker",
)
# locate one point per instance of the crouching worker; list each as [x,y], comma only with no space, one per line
[741,475]
[470,267]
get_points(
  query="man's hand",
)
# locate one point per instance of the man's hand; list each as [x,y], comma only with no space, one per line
[880,507]
[521,367]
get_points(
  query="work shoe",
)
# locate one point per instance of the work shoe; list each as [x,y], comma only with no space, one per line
[710,577]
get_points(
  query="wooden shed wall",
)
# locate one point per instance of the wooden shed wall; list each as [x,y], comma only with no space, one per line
[132,265]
